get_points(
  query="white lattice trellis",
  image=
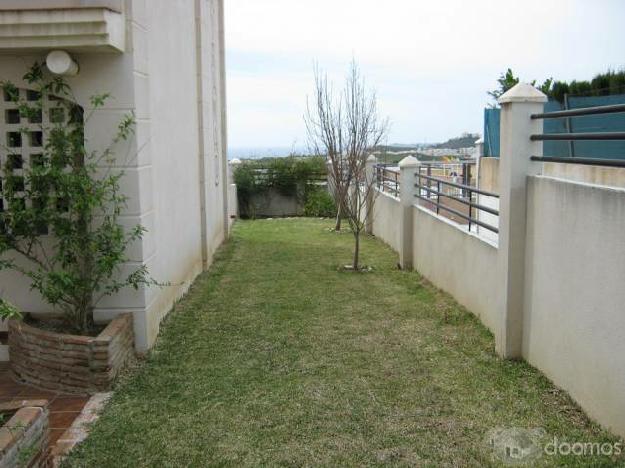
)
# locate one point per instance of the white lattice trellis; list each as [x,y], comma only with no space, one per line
[22,141]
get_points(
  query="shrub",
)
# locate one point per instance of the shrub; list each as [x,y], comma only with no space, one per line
[319,203]
[63,216]
[290,176]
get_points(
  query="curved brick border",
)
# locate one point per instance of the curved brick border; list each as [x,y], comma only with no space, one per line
[70,363]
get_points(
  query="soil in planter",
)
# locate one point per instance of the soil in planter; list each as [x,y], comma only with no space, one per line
[58,325]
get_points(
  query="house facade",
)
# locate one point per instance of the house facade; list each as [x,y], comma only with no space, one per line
[162,60]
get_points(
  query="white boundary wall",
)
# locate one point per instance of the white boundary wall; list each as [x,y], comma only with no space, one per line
[551,286]
[573,323]
[574,305]
[458,261]
[386,215]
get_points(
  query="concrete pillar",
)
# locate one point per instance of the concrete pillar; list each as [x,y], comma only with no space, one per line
[370,181]
[479,149]
[407,169]
[515,165]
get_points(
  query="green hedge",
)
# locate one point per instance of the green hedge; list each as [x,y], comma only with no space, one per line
[292,176]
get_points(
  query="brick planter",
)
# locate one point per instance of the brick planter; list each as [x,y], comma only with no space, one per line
[24,437]
[70,363]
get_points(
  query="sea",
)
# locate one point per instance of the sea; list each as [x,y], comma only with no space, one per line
[257,152]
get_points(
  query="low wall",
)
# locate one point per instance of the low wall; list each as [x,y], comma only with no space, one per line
[571,299]
[600,175]
[273,204]
[458,262]
[70,363]
[574,299]
[488,174]
[386,216]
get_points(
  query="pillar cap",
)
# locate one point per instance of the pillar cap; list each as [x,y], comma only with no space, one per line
[409,161]
[522,92]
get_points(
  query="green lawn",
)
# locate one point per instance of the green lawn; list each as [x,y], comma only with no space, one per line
[277,358]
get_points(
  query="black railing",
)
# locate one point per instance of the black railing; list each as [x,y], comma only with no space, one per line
[578,136]
[585,161]
[598,110]
[387,180]
[460,170]
[582,136]
[435,190]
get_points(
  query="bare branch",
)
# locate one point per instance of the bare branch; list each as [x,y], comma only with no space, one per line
[346,128]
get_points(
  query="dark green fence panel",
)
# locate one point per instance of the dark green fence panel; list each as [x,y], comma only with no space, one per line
[590,123]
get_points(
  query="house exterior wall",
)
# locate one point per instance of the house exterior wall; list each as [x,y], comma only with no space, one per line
[115,5]
[214,145]
[573,306]
[171,76]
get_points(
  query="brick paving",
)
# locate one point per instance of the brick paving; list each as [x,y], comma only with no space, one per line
[64,408]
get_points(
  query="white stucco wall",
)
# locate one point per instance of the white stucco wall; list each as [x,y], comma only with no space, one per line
[488,180]
[386,217]
[171,76]
[574,302]
[172,118]
[459,262]
[213,105]
[99,73]
[600,175]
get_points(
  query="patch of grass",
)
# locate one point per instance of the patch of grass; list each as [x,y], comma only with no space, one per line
[276,358]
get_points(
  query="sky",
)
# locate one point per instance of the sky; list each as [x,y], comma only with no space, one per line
[430,62]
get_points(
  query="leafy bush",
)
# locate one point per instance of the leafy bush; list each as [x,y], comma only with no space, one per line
[603,84]
[289,176]
[8,311]
[63,215]
[319,203]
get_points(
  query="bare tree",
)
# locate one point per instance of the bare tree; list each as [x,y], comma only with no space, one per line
[324,124]
[346,128]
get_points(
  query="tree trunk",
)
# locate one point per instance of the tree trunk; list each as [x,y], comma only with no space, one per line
[355,264]
[84,260]
[337,225]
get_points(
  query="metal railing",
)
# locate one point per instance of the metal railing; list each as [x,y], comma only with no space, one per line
[581,136]
[435,191]
[457,172]
[387,180]
[262,175]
